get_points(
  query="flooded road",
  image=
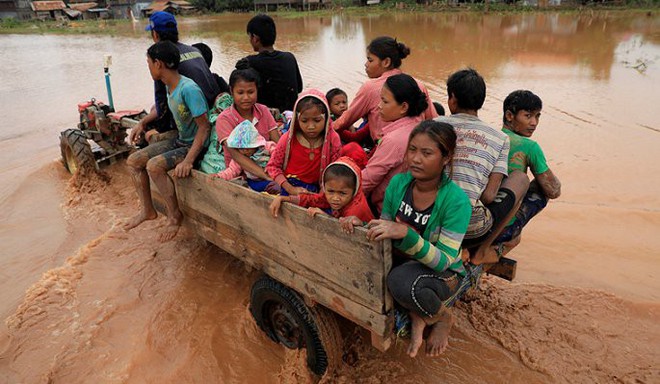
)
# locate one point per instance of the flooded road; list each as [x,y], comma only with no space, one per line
[84,301]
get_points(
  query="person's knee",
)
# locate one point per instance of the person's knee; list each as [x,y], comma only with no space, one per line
[156,166]
[413,291]
[427,300]
[137,160]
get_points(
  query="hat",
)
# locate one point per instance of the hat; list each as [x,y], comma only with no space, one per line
[161,22]
[245,135]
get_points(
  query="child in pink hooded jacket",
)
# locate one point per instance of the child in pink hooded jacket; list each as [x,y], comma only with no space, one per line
[309,146]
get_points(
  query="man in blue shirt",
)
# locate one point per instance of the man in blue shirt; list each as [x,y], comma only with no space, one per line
[163,27]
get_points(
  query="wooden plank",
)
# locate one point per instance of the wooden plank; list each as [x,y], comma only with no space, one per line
[309,285]
[505,268]
[388,303]
[381,343]
[349,265]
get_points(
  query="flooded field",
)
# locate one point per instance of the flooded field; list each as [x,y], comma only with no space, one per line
[83,301]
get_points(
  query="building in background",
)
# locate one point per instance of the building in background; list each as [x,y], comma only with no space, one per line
[176,7]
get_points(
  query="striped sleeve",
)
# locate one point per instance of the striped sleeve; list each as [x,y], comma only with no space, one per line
[502,164]
[439,258]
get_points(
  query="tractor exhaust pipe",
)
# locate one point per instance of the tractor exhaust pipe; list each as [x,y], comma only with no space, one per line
[107,61]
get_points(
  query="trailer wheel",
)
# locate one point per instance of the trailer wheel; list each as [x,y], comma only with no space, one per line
[76,151]
[285,318]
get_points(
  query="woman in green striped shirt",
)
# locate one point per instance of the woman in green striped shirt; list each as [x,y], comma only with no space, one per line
[426,216]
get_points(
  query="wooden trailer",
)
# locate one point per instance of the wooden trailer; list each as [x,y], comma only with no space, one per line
[311,267]
[312,270]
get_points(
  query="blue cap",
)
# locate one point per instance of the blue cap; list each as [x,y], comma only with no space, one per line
[161,22]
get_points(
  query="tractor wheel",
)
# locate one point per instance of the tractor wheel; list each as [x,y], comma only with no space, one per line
[285,318]
[76,151]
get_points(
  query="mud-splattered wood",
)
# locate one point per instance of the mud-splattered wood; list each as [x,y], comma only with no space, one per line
[350,265]
[225,238]
[380,342]
[345,273]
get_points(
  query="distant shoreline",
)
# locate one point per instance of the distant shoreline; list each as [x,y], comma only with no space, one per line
[110,26]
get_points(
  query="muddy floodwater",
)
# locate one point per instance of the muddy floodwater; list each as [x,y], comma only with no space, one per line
[82,301]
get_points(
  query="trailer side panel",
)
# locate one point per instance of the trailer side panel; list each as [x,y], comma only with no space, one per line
[345,273]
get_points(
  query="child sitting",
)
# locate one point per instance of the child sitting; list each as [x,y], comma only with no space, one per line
[338,101]
[522,111]
[307,148]
[342,195]
[246,139]
[188,105]
[243,87]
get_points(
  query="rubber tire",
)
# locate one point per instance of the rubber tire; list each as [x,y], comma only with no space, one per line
[74,142]
[321,335]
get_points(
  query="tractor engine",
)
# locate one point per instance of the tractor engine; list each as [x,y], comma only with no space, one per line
[100,138]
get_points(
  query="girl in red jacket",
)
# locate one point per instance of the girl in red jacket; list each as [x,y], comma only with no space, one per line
[342,194]
[309,146]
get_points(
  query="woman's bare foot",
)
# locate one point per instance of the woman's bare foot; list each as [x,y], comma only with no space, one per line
[416,334]
[139,219]
[438,339]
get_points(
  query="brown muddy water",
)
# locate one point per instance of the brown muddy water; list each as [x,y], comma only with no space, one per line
[82,301]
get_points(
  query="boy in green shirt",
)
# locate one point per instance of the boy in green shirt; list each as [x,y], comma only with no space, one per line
[522,111]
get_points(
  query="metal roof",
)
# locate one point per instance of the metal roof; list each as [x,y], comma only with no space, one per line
[41,6]
[72,12]
[161,5]
[82,7]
